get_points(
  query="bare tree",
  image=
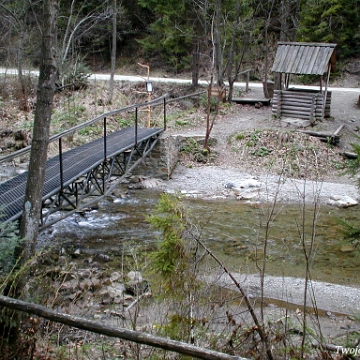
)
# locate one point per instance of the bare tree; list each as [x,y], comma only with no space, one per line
[195,63]
[78,26]
[266,41]
[29,225]
[113,51]
[15,22]
[200,28]
[236,52]
[218,56]
[289,15]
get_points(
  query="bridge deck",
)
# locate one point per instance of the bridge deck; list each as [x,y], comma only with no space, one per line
[76,163]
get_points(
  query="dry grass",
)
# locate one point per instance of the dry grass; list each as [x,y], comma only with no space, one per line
[290,153]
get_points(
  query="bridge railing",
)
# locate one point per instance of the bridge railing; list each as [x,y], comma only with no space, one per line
[162,100]
[156,102]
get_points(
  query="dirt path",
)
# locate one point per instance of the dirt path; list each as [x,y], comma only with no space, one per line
[235,163]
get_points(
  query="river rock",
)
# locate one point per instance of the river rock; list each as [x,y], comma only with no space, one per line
[248,183]
[229,185]
[115,276]
[69,286]
[76,254]
[118,314]
[135,288]
[342,201]
[133,179]
[347,248]
[114,291]
[150,183]
[85,284]
[136,285]
[96,284]
[248,195]
[62,261]
[191,193]
[117,291]
[134,276]
[102,257]
[84,274]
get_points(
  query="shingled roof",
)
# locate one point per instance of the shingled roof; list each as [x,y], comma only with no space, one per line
[304,58]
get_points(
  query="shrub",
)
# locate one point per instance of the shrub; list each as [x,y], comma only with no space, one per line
[9,241]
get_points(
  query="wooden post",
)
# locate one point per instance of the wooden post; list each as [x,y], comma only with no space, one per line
[312,109]
[218,92]
[287,81]
[326,91]
[279,101]
[247,80]
[149,94]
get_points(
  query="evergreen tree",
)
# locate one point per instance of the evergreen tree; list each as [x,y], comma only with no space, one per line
[331,21]
[170,36]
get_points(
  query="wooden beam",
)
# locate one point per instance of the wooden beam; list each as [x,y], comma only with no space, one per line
[306,44]
[350,155]
[251,101]
[332,138]
[326,90]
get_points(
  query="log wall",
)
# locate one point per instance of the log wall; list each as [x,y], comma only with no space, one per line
[301,103]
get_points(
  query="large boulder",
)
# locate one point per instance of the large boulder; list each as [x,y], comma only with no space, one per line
[342,201]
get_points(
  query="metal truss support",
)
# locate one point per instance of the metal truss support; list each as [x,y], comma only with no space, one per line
[97,182]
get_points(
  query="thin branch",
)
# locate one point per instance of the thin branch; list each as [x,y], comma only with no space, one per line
[259,327]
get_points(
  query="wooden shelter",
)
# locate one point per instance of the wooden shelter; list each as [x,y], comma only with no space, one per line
[299,58]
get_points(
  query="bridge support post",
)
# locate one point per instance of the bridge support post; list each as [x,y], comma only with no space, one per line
[105,147]
[136,127]
[164,114]
[105,159]
[61,166]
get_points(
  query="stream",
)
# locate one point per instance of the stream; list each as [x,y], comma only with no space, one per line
[233,230]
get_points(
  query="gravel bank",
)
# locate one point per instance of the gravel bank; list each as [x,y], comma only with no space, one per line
[214,181]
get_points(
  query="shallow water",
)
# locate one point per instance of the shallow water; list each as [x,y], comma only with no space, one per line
[233,230]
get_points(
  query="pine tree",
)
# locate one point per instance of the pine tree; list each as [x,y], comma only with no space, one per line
[331,21]
[170,34]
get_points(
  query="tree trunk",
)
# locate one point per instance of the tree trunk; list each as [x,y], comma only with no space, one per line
[266,41]
[284,33]
[288,20]
[217,45]
[195,61]
[210,122]
[29,226]
[266,67]
[285,21]
[233,73]
[113,52]
[20,51]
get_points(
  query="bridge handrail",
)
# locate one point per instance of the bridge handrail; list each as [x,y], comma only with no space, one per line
[25,150]
[155,102]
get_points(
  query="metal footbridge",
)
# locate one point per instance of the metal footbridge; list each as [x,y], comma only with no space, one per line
[76,178]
